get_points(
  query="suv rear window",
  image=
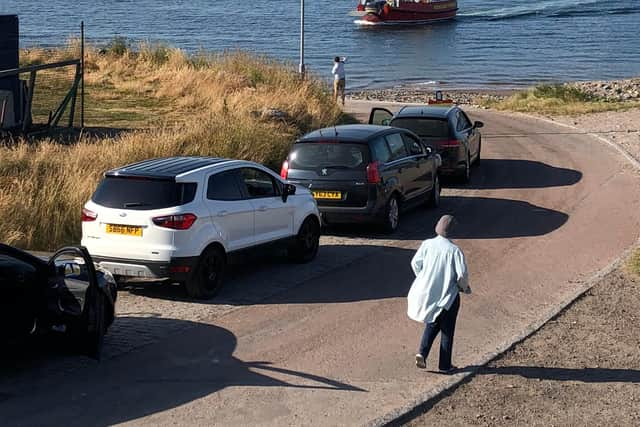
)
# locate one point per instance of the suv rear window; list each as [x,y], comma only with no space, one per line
[424,127]
[311,156]
[142,194]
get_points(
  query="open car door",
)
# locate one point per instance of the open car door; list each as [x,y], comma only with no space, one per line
[380,116]
[77,300]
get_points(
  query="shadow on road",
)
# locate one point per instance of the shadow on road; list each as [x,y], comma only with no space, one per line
[195,362]
[586,375]
[270,278]
[478,218]
[513,173]
[491,218]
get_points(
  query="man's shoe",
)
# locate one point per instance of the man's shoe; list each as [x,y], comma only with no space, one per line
[452,370]
[420,362]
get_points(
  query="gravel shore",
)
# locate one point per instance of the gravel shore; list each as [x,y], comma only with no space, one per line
[606,90]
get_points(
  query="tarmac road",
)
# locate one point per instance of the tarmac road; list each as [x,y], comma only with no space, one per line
[329,343]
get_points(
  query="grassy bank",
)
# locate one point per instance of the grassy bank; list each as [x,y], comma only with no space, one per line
[218,105]
[557,99]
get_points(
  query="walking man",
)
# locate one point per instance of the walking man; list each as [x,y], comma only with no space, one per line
[339,78]
[441,274]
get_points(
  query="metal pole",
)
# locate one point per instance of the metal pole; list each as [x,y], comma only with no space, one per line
[301,69]
[82,74]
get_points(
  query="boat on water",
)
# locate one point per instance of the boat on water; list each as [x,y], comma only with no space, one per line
[381,12]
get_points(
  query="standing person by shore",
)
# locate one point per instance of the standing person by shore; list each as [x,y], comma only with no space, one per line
[441,274]
[339,78]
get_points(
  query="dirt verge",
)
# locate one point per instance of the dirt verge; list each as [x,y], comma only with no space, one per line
[581,368]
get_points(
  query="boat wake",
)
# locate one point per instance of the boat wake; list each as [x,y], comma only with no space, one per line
[551,8]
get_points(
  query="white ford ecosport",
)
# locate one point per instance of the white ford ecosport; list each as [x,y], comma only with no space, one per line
[178,218]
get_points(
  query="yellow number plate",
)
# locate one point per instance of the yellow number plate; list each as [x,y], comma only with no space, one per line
[128,230]
[330,195]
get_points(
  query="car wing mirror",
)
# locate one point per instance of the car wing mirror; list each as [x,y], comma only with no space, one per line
[288,190]
[478,124]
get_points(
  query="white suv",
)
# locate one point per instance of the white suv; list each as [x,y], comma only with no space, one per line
[178,218]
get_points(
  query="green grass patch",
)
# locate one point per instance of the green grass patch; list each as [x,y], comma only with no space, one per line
[557,99]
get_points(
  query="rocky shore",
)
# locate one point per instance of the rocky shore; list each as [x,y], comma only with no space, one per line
[413,95]
[611,91]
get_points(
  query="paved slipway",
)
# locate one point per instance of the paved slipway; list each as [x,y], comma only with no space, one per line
[329,343]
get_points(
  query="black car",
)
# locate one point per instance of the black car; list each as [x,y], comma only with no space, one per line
[364,173]
[446,128]
[66,294]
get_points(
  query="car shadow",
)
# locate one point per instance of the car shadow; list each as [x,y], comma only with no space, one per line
[477,218]
[270,278]
[495,174]
[195,361]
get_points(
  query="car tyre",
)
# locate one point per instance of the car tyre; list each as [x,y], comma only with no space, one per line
[477,161]
[434,195]
[304,247]
[466,173]
[206,279]
[392,215]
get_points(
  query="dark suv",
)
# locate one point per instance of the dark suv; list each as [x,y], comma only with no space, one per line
[447,128]
[364,173]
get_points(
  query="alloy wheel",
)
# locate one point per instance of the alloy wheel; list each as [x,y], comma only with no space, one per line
[394,213]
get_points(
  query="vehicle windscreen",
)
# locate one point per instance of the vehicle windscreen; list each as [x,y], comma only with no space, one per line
[424,127]
[142,194]
[312,156]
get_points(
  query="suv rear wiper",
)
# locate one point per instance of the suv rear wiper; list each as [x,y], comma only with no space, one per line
[135,204]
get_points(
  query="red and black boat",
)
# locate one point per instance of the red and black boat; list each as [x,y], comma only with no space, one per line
[381,12]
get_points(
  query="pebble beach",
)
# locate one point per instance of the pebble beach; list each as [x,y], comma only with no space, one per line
[610,91]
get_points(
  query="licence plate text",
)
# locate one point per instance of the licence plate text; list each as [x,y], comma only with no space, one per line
[129,230]
[328,195]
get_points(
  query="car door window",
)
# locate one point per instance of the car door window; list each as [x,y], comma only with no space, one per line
[258,183]
[414,147]
[224,186]
[380,150]
[396,146]
[463,122]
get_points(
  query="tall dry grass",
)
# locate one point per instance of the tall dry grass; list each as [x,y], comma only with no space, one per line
[217,105]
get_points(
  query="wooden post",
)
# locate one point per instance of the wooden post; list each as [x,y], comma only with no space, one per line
[27,119]
[74,89]
[82,79]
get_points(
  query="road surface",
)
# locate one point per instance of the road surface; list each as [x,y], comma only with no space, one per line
[329,343]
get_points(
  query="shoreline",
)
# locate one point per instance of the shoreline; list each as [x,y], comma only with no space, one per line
[600,90]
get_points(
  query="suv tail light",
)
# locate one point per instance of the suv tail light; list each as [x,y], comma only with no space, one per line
[451,143]
[175,222]
[284,172]
[88,216]
[373,175]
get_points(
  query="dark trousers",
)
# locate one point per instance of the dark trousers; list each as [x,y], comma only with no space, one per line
[445,323]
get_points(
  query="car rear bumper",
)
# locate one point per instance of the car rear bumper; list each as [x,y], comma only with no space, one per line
[177,269]
[452,167]
[372,212]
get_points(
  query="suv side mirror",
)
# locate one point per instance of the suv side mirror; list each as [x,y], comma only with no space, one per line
[478,124]
[288,190]
[429,150]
